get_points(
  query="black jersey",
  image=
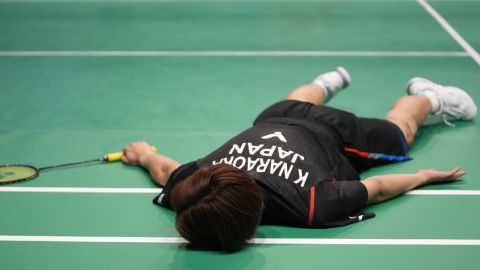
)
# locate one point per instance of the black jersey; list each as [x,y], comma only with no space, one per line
[300,166]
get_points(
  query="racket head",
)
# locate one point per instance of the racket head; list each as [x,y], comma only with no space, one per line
[11,173]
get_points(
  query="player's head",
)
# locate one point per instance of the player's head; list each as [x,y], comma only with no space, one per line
[218,207]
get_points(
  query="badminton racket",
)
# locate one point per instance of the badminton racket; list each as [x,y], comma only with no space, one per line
[11,173]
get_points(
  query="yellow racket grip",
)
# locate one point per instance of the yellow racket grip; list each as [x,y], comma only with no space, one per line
[118,156]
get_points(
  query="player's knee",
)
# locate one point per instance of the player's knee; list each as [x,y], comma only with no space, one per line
[406,125]
[307,93]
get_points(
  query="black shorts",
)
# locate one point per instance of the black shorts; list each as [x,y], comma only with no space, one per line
[364,134]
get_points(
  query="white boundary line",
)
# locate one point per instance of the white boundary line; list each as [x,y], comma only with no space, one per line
[260,241]
[338,241]
[233,53]
[158,190]
[200,1]
[90,239]
[207,1]
[444,192]
[81,190]
[450,30]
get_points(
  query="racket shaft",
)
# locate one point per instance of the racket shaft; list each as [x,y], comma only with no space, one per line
[108,158]
[70,164]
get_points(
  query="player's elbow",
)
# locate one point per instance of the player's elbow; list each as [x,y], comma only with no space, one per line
[160,174]
[159,177]
[376,189]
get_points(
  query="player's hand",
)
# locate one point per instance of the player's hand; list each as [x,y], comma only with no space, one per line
[433,176]
[136,153]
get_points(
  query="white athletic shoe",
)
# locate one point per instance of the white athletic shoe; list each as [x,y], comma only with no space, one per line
[454,103]
[333,81]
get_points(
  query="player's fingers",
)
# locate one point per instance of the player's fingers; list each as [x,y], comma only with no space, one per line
[459,174]
[454,171]
[125,158]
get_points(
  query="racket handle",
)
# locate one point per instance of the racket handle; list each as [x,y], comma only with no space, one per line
[118,156]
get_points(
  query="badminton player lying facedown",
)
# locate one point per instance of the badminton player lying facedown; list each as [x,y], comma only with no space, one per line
[299,164]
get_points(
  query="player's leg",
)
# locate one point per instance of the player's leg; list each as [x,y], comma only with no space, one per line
[308,93]
[408,113]
[323,88]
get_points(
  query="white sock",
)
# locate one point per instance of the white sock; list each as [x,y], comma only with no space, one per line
[326,94]
[333,81]
[433,100]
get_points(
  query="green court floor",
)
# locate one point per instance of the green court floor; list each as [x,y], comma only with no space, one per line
[81,78]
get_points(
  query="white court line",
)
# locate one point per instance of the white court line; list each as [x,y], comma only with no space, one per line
[444,192]
[234,53]
[210,1]
[397,242]
[450,30]
[196,1]
[158,190]
[274,241]
[81,190]
[91,239]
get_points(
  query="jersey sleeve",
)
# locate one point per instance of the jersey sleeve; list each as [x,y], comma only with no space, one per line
[338,203]
[177,176]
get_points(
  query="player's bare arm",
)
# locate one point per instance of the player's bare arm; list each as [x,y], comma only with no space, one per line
[384,187]
[160,167]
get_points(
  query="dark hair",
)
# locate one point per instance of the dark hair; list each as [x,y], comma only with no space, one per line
[218,207]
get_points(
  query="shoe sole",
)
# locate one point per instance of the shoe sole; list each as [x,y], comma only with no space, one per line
[469,101]
[410,89]
[347,80]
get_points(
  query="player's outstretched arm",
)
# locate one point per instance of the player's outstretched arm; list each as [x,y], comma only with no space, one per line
[141,154]
[384,187]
